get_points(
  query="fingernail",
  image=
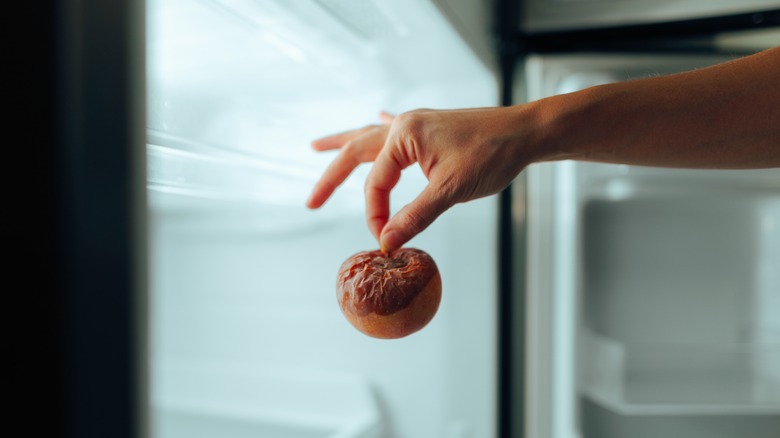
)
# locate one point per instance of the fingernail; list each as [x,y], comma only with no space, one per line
[391,240]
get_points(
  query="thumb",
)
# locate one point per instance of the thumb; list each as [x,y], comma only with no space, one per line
[413,218]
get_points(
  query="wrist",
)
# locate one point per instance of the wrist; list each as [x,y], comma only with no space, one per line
[540,131]
[579,125]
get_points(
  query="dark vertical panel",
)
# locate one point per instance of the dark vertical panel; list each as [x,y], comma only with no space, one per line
[511,370]
[31,384]
[98,142]
[75,193]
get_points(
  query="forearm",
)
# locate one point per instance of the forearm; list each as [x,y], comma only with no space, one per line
[725,116]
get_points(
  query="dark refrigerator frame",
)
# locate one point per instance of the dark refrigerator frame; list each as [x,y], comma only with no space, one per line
[76,220]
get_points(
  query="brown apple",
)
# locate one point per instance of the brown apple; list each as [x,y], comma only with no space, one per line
[391,295]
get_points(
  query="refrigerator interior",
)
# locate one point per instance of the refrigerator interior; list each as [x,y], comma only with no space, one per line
[246,335]
[653,294]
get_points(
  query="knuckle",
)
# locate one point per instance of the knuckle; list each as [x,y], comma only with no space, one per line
[350,152]
[376,222]
[411,131]
[348,148]
[369,186]
[411,121]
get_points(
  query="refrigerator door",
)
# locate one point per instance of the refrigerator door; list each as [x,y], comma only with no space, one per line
[247,338]
[557,15]
[653,294]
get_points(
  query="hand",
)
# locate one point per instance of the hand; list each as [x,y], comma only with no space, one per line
[464,154]
[724,116]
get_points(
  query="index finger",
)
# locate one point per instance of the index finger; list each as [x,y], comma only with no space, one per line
[384,175]
[361,149]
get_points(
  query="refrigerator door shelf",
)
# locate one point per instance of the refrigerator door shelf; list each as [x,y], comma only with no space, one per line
[233,401]
[681,282]
[679,291]
[678,380]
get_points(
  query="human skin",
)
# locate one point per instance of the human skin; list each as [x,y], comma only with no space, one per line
[725,116]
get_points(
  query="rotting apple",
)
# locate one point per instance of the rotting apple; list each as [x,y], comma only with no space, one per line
[389,296]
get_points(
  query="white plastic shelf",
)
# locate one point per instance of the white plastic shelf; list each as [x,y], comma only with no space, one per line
[714,379]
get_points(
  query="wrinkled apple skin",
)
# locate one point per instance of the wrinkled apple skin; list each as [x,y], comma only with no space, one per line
[389,296]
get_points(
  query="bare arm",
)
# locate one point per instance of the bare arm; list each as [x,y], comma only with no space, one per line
[725,116]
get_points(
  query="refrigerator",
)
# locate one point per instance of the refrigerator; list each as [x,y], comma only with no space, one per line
[185,290]
[651,296]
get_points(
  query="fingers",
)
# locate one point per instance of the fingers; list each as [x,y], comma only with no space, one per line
[369,144]
[383,177]
[335,141]
[414,217]
[392,233]
[336,173]
[360,146]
